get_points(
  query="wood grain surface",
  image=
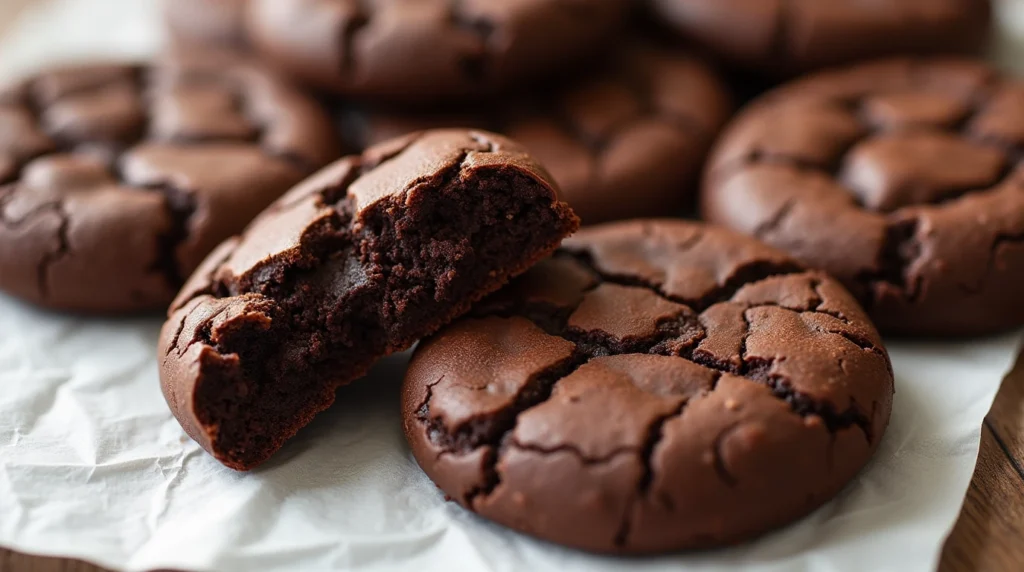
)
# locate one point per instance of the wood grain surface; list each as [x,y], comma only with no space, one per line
[990,532]
[988,537]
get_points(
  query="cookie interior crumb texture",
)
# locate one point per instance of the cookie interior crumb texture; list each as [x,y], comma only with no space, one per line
[654,386]
[358,262]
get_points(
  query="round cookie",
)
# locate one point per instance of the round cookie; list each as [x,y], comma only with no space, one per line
[206,22]
[901,178]
[627,142]
[654,386]
[117,180]
[420,50]
[789,37]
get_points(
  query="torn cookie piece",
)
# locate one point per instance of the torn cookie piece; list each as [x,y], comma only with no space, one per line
[359,261]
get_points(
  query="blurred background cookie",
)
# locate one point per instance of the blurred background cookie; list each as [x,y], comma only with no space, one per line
[117,180]
[417,51]
[788,37]
[902,178]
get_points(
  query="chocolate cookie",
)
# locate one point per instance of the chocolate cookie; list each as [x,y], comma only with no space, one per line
[417,50]
[207,22]
[359,261]
[655,386]
[117,180]
[788,37]
[626,142]
[901,178]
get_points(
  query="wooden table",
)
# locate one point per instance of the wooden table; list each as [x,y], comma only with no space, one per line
[990,532]
[988,537]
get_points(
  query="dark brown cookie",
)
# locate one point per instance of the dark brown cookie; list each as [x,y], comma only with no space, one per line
[655,386]
[117,180]
[218,23]
[902,178]
[788,37]
[359,261]
[626,142]
[419,50]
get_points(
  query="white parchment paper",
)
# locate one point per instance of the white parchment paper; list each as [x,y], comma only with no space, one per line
[93,466]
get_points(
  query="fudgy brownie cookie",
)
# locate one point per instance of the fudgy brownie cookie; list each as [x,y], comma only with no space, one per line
[359,261]
[117,180]
[788,37]
[654,386]
[418,50]
[207,22]
[902,178]
[627,142]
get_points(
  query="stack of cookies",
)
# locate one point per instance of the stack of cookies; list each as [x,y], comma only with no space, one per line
[307,186]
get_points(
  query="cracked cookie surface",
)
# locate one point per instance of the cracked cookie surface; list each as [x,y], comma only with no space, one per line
[790,37]
[626,142]
[357,262]
[417,50]
[117,180]
[653,386]
[902,178]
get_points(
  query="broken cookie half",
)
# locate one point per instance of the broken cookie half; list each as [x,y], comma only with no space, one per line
[359,261]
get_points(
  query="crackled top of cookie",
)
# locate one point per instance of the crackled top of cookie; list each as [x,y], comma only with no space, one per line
[628,142]
[902,178]
[416,49]
[162,161]
[784,37]
[121,115]
[658,377]
[331,205]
